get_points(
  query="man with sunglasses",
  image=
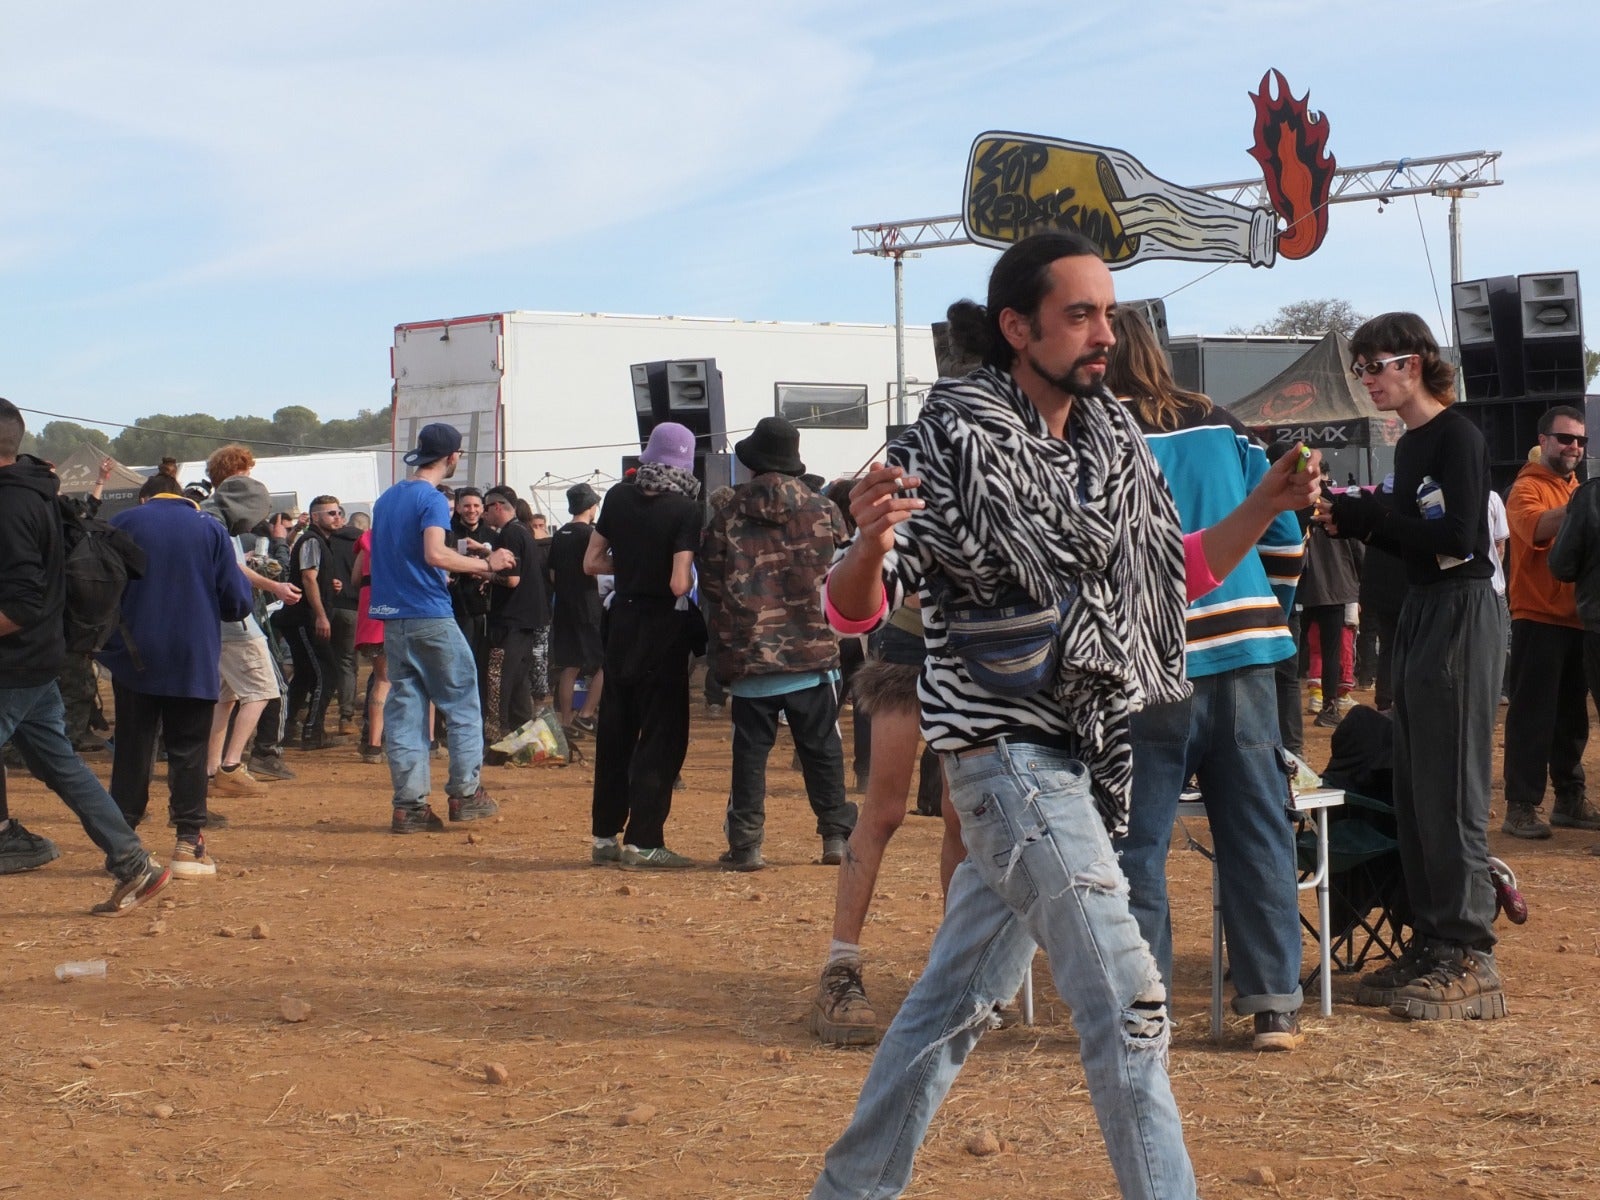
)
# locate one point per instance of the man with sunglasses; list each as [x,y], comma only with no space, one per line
[310,632]
[1547,719]
[1446,673]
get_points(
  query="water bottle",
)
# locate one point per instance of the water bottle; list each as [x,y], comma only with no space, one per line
[1430,503]
[95,968]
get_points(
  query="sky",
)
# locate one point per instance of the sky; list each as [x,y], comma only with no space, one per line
[227,208]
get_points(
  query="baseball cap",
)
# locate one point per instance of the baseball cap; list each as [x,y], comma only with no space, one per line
[434,442]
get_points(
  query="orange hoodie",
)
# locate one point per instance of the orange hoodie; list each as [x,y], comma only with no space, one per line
[1534,593]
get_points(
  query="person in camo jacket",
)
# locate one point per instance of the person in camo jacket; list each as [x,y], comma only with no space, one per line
[762,562]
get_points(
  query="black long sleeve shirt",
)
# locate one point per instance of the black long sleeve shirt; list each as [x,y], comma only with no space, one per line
[1450,449]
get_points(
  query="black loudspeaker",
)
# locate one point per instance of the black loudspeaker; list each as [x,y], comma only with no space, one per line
[1511,429]
[1552,334]
[688,391]
[1489,338]
[1154,313]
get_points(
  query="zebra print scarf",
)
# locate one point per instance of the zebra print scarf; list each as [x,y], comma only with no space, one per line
[1014,507]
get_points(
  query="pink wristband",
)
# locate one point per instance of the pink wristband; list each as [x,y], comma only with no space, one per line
[846,626]
[1196,570]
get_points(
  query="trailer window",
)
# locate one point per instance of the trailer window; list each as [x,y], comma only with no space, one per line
[823,405]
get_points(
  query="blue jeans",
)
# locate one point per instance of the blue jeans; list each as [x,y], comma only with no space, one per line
[1039,872]
[1226,736]
[35,721]
[430,662]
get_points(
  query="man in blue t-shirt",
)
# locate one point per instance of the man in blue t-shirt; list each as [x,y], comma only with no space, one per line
[429,659]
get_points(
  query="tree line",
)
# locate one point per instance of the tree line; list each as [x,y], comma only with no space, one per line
[294,429]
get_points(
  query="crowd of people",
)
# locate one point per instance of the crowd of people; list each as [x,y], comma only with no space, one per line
[1073,590]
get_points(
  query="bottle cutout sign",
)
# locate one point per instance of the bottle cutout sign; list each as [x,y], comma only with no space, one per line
[1019,184]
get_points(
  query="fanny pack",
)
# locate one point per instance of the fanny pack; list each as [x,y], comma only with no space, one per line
[1009,649]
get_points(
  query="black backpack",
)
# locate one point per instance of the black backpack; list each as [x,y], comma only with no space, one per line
[98,560]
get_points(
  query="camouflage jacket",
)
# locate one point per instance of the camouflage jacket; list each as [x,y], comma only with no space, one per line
[763,558]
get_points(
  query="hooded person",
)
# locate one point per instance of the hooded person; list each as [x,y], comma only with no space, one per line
[763,559]
[645,538]
[249,679]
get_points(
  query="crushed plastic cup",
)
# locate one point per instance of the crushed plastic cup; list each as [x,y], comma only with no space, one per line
[95,968]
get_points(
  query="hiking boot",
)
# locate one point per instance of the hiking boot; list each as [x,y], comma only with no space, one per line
[133,892]
[415,819]
[748,859]
[324,741]
[372,754]
[841,1014]
[1462,986]
[1329,717]
[1378,989]
[833,850]
[23,851]
[1522,821]
[476,807]
[606,852]
[659,859]
[190,860]
[1581,815]
[1277,1031]
[269,766]
[236,781]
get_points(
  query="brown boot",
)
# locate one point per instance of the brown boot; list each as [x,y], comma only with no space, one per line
[841,1015]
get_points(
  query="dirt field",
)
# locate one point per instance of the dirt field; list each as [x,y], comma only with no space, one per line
[651,1026]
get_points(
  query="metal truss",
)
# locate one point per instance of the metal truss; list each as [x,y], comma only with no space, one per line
[1441,174]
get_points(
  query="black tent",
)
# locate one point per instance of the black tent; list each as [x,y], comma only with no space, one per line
[1317,401]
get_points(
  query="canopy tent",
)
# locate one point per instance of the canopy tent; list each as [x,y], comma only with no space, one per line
[80,469]
[1317,401]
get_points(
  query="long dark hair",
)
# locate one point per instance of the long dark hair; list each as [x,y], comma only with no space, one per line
[1020,280]
[1406,333]
[1137,371]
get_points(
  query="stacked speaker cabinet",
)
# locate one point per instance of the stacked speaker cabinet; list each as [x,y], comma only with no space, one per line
[1520,340]
[685,390]
[1552,334]
[1489,338]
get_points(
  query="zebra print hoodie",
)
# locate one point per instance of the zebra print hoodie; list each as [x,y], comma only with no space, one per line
[1008,506]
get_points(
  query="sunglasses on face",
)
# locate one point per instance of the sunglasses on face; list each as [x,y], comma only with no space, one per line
[329,512]
[1376,366]
[1570,439]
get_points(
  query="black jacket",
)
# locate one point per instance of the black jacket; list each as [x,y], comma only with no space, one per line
[32,579]
[1575,554]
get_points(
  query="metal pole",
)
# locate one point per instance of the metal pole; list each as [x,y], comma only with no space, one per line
[899,339]
[1455,235]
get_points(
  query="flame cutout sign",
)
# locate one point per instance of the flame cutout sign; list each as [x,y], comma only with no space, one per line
[1290,145]
[1018,184]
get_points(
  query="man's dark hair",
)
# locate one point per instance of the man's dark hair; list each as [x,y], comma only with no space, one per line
[160,484]
[499,493]
[1550,416]
[324,501]
[1406,333]
[12,427]
[1020,280]
[463,492]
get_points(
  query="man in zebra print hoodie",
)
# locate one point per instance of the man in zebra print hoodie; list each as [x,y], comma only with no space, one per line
[1029,478]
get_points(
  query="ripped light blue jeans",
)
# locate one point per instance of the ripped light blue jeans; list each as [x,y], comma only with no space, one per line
[1039,872]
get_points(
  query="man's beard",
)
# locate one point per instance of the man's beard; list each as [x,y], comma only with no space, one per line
[450,471]
[1071,382]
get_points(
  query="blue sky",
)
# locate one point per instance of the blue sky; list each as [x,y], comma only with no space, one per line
[227,209]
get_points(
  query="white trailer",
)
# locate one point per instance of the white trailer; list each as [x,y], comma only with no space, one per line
[544,400]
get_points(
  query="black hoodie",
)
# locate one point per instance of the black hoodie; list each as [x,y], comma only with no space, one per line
[32,580]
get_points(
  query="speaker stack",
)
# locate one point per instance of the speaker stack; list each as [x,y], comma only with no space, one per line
[1520,340]
[688,391]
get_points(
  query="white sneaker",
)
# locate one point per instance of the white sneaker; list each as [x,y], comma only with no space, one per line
[190,860]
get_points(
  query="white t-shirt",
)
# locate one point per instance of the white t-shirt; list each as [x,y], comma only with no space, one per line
[1499,531]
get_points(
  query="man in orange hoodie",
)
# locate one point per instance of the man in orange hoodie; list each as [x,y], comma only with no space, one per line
[1547,720]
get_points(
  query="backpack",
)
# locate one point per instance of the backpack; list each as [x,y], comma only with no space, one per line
[98,560]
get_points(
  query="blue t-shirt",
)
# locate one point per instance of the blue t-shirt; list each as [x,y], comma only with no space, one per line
[404,586]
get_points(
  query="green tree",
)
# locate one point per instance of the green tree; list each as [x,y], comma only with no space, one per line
[58,439]
[368,427]
[295,425]
[1309,318]
[1591,365]
[149,439]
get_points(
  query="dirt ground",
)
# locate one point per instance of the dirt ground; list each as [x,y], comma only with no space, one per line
[651,1026]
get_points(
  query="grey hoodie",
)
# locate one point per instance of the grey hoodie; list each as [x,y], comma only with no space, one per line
[240,503]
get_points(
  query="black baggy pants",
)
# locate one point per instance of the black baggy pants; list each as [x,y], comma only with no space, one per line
[1547,715]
